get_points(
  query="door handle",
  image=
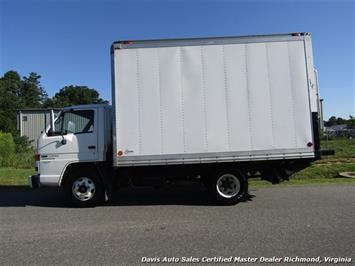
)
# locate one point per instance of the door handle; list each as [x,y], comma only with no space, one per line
[91,147]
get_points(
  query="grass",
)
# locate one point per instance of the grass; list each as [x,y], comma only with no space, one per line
[344,149]
[257,183]
[325,171]
[14,177]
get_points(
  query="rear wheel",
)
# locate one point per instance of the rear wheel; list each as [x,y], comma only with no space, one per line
[84,190]
[229,187]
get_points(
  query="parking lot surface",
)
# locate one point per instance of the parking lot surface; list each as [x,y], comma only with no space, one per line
[38,228]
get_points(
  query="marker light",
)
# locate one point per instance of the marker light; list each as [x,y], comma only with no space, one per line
[127,42]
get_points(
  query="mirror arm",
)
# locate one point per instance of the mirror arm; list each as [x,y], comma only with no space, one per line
[64,141]
[52,120]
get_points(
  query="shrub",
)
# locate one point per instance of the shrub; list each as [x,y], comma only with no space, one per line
[23,144]
[22,160]
[12,155]
[7,148]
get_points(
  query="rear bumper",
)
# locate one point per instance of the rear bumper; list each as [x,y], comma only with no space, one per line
[34,181]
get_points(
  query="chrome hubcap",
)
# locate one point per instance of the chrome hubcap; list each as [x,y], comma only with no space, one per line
[83,188]
[228,185]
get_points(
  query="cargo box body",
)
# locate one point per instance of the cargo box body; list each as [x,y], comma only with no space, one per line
[213,100]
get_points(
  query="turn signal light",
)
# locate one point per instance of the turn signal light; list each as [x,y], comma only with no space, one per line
[37,157]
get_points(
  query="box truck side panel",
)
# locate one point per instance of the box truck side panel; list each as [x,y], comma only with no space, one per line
[213,70]
[300,93]
[126,102]
[238,104]
[205,103]
[172,123]
[194,100]
[281,89]
[259,97]
[148,90]
[312,76]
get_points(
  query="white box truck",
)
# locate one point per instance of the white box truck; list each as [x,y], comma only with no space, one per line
[212,109]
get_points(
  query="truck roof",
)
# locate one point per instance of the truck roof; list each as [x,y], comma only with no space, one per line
[131,44]
[86,106]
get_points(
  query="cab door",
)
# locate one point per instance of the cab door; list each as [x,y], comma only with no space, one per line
[74,139]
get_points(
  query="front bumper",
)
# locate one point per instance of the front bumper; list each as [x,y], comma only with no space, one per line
[33,181]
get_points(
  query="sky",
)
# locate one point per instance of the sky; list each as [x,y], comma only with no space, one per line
[68,42]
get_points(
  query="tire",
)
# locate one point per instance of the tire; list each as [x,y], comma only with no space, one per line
[228,187]
[84,190]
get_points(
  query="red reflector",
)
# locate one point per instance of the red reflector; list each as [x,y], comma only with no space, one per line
[37,157]
[309,144]
[127,42]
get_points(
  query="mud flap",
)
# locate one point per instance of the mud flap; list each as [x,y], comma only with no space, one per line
[106,178]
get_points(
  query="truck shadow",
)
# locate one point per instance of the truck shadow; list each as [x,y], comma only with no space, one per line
[22,196]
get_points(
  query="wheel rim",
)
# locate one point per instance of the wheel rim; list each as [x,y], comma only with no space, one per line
[83,188]
[228,185]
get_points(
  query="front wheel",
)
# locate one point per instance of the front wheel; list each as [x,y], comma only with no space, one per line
[229,187]
[84,190]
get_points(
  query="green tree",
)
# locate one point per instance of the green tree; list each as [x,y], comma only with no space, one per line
[32,93]
[11,84]
[331,121]
[341,121]
[10,87]
[74,95]
[17,93]
[351,122]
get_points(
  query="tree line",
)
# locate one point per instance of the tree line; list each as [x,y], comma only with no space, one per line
[27,92]
[332,121]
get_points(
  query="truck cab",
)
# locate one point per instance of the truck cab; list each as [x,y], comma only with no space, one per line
[79,136]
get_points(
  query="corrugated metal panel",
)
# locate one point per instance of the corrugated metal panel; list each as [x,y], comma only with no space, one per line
[32,123]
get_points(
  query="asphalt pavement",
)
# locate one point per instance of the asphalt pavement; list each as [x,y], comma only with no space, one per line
[179,224]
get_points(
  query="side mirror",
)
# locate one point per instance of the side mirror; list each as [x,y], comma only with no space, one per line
[50,132]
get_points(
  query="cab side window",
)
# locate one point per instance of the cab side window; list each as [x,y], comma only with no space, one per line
[77,122]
